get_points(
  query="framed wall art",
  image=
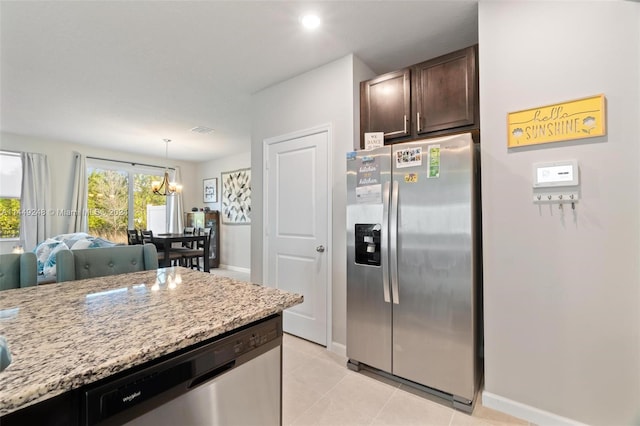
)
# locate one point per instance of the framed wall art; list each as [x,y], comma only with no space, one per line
[236,197]
[210,190]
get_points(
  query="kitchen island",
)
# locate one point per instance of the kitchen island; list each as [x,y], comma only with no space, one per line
[66,336]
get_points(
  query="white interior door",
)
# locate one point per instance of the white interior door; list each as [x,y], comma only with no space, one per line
[296,207]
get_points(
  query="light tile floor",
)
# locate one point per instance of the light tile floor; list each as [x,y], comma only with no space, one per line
[318,389]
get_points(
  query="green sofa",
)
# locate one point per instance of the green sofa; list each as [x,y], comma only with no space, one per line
[18,270]
[99,262]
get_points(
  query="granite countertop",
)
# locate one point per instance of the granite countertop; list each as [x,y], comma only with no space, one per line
[63,336]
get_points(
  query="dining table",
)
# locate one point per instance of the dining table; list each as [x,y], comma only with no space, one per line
[163,243]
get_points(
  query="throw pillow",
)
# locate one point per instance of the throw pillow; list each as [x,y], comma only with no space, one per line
[43,250]
[49,269]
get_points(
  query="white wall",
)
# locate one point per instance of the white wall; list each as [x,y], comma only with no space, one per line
[562,288]
[323,95]
[60,155]
[235,240]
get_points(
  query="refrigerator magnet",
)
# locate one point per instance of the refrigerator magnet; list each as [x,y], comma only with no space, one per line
[411,178]
[409,157]
[434,161]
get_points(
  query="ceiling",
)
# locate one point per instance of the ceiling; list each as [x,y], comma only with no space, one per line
[127,74]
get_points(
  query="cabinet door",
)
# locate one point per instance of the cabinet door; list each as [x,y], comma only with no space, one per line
[385,105]
[446,92]
[212,220]
[194,219]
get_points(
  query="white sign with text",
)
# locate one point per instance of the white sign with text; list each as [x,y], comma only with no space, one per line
[373,140]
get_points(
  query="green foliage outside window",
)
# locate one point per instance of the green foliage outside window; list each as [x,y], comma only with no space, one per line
[108,203]
[9,218]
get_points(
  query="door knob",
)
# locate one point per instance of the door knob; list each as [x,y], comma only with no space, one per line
[320,249]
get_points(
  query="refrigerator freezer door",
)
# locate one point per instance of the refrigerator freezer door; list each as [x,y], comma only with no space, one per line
[433,325]
[368,295]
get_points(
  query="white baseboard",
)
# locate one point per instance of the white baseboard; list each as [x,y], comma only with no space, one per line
[525,412]
[235,268]
[338,348]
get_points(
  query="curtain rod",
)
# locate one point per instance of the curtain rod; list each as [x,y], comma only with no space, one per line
[11,152]
[130,162]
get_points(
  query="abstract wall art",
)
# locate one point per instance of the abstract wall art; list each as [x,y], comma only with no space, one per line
[236,197]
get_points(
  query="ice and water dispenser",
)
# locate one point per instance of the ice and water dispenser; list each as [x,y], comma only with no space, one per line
[368,243]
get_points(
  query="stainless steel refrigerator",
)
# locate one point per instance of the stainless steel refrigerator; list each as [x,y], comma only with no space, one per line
[413,264]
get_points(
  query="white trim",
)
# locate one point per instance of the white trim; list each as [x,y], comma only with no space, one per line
[338,348]
[323,128]
[525,412]
[235,268]
[330,234]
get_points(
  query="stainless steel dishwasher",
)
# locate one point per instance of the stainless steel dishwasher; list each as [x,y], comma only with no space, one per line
[234,380]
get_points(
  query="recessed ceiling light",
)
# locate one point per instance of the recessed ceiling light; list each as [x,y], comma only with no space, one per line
[310,21]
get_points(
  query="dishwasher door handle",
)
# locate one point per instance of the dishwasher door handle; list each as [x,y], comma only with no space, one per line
[211,374]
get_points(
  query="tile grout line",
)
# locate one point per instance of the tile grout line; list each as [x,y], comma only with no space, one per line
[395,390]
[451,419]
[295,368]
[312,358]
[317,401]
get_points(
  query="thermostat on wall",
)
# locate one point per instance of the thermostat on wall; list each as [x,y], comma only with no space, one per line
[558,173]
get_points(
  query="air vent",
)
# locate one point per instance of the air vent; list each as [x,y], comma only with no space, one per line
[201,129]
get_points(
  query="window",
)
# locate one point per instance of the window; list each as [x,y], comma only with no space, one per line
[119,197]
[10,188]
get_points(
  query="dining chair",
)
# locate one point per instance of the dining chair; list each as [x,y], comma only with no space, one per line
[202,244]
[192,256]
[133,237]
[188,230]
[186,247]
[174,256]
[146,235]
[206,232]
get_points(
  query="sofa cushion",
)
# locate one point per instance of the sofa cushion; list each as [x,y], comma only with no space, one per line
[100,262]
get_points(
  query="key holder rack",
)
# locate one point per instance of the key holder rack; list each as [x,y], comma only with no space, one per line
[556,183]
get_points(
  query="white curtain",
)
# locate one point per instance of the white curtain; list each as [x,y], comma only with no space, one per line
[175,208]
[35,199]
[78,223]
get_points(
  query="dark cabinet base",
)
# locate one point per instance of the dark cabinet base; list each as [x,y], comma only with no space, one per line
[62,410]
[208,219]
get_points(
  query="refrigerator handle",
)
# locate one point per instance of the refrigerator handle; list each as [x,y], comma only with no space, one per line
[393,243]
[384,252]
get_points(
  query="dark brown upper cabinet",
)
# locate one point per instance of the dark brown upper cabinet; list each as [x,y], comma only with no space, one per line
[435,97]
[446,92]
[385,105]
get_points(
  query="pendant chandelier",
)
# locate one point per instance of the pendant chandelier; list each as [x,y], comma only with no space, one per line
[165,187]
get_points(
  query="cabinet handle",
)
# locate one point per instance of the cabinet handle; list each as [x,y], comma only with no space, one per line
[418,123]
[405,124]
